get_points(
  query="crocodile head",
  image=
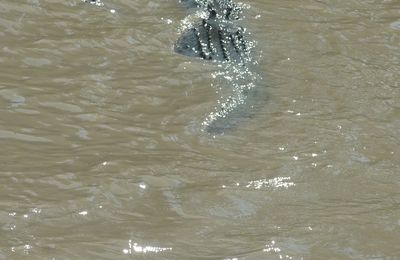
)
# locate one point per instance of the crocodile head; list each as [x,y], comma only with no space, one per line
[218,9]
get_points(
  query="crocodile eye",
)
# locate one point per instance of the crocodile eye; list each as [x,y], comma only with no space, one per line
[212,15]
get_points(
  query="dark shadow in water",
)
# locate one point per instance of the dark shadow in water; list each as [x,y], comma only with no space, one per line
[245,98]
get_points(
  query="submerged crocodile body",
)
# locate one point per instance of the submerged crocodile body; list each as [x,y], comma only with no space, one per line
[216,36]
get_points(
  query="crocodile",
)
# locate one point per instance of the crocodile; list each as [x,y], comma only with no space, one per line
[216,36]
[226,9]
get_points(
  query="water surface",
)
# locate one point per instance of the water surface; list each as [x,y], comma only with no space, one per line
[103,154]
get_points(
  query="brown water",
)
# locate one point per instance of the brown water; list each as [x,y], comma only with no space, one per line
[103,156]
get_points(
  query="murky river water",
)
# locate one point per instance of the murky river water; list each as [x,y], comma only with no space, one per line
[103,156]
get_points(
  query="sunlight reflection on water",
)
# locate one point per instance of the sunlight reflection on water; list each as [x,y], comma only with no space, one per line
[134,247]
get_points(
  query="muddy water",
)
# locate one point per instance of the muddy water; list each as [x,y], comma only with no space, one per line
[103,156]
